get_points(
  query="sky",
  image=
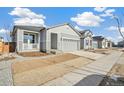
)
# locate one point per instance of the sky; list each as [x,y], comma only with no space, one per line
[97,19]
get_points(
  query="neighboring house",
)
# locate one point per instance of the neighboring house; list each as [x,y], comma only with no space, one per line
[109,44]
[99,42]
[86,39]
[106,43]
[58,38]
[121,43]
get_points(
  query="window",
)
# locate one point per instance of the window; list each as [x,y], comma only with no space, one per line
[87,42]
[90,42]
[29,38]
[32,38]
[25,38]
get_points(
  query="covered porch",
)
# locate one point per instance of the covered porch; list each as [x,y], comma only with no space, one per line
[31,41]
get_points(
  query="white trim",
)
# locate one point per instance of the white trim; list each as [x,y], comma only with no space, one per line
[30,31]
[38,43]
[70,38]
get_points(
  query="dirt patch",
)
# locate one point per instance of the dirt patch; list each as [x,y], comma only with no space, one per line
[41,75]
[78,62]
[7,58]
[32,54]
[118,69]
[101,51]
[19,67]
[62,58]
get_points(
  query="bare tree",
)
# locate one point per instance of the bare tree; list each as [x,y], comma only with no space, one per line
[7,34]
[118,26]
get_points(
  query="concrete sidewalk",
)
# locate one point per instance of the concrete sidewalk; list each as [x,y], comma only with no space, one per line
[5,74]
[89,75]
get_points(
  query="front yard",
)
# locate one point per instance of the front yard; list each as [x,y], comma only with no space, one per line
[40,71]
[44,69]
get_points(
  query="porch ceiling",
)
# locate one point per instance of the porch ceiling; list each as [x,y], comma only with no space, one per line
[32,28]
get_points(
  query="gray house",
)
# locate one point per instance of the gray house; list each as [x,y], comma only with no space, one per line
[121,43]
[60,38]
[86,39]
[100,42]
[109,44]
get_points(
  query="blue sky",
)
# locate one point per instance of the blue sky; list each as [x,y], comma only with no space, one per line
[98,20]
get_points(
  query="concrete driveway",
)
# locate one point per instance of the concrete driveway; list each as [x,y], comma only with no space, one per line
[87,54]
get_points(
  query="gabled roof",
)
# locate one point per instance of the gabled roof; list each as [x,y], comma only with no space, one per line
[84,31]
[98,38]
[63,25]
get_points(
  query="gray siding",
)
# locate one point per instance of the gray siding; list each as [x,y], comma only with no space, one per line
[43,40]
[65,32]
[19,40]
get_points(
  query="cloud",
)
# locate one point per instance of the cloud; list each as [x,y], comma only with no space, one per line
[114,28]
[120,37]
[78,28]
[110,38]
[114,39]
[25,16]
[87,19]
[3,31]
[99,9]
[108,12]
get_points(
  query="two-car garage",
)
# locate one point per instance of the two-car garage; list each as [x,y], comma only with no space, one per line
[70,44]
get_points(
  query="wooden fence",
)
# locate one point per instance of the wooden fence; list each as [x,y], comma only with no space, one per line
[6,48]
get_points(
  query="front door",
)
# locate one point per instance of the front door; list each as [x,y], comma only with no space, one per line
[53,41]
[30,41]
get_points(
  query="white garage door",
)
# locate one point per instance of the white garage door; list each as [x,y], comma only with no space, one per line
[69,45]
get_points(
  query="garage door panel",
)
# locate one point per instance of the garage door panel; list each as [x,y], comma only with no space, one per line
[70,45]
